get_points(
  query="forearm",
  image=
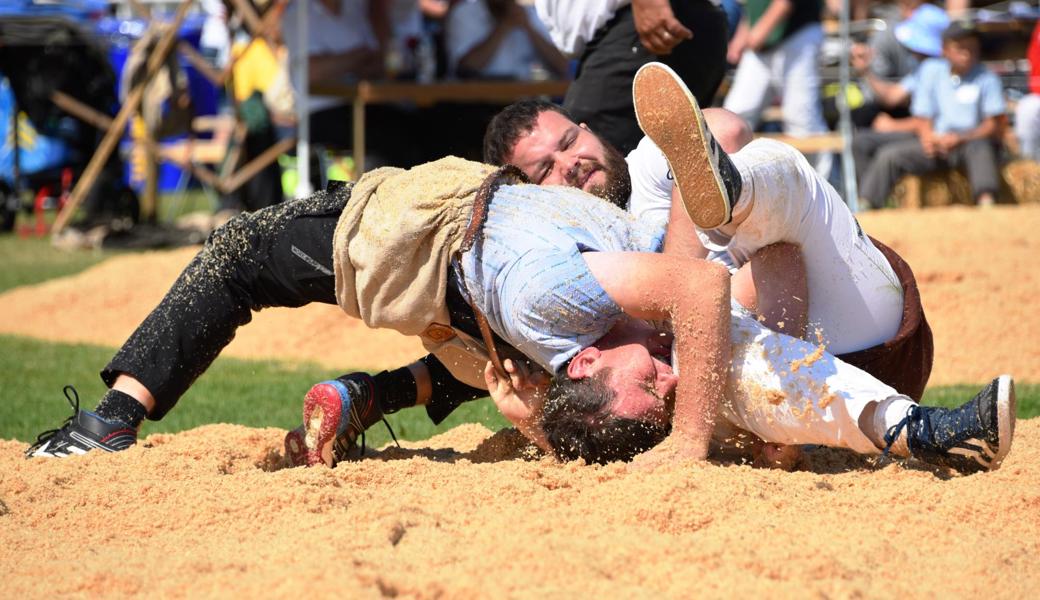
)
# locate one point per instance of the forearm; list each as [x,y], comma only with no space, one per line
[694,295]
[681,236]
[481,54]
[888,93]
[701,324]
[906,125]
[531,429]
[773,16]
[554,60]
[986,130]
[774,286]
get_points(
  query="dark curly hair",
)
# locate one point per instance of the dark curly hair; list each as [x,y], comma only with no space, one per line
[578,424]
[511,124]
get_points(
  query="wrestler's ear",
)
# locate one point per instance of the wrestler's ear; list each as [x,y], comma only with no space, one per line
[583,364]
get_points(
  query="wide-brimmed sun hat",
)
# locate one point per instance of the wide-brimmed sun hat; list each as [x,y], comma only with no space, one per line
[922,31]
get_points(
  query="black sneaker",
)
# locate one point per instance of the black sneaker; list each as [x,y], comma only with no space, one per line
[335,414]
[82,432]
[668,114]
[974,437]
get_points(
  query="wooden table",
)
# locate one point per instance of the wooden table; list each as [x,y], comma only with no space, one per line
[428,94]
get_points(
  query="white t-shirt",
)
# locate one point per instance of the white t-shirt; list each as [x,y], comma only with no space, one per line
[651,198]
[470,22]
[329,34]
[573,23]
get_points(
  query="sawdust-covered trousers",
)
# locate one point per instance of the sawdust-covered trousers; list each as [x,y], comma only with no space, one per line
[863,299]
[279,256]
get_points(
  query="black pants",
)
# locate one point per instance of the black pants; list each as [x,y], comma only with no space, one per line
[278,256]
[601,94]
[892,161]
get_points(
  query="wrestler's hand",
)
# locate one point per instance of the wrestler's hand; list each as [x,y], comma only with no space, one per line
[659,30]
[669,452]
[520,398]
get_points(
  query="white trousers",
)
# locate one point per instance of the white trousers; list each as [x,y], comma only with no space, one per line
[1027,126]
[790,69]
[789,391]
[855,298]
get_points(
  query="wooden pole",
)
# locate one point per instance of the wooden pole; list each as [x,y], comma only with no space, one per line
[108,143]
[201,64]
[254,166]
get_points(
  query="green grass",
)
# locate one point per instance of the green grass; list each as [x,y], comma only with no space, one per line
[252,393]
[32,260]
[29,260]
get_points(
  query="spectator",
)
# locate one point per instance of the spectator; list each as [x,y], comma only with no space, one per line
[687,35]
[775,49]
[500,39]
[264,102]
[342,48]
[957,107]
[1027,113]
[892,55]
[918,36]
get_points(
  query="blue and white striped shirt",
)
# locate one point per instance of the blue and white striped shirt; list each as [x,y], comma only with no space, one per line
[528,276]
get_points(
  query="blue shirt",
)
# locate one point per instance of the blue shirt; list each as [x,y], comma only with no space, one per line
[953,103]
[527,274]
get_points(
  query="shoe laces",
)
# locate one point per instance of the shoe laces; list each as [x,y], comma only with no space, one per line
[358,424]
[388,428]
[46,436]
[893,432]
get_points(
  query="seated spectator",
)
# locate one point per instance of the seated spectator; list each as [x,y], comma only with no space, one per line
[1027,112]
[346,42]
[499,39]
[917,37]
[775,49]
[957,108]
[886,65]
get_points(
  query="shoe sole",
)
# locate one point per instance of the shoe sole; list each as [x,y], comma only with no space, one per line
[1006,410]
[669,115]
[322,408]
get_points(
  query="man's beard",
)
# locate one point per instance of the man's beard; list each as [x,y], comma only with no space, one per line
[618,185]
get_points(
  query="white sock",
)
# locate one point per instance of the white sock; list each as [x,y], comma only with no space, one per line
[889,413]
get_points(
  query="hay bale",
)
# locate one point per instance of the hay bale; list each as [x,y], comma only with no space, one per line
[1022,181]
[1020,184]
[942,188]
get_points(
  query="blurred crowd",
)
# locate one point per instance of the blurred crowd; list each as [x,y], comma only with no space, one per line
[936,86]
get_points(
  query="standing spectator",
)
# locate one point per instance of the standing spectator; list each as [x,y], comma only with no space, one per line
[775,49]
[499,39]
[1027,113]
[613,38]
[957,106]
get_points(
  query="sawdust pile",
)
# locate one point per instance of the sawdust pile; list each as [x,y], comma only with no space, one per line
[464,515]
[212,512]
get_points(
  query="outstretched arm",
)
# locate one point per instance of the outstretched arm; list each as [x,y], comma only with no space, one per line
[694,295]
